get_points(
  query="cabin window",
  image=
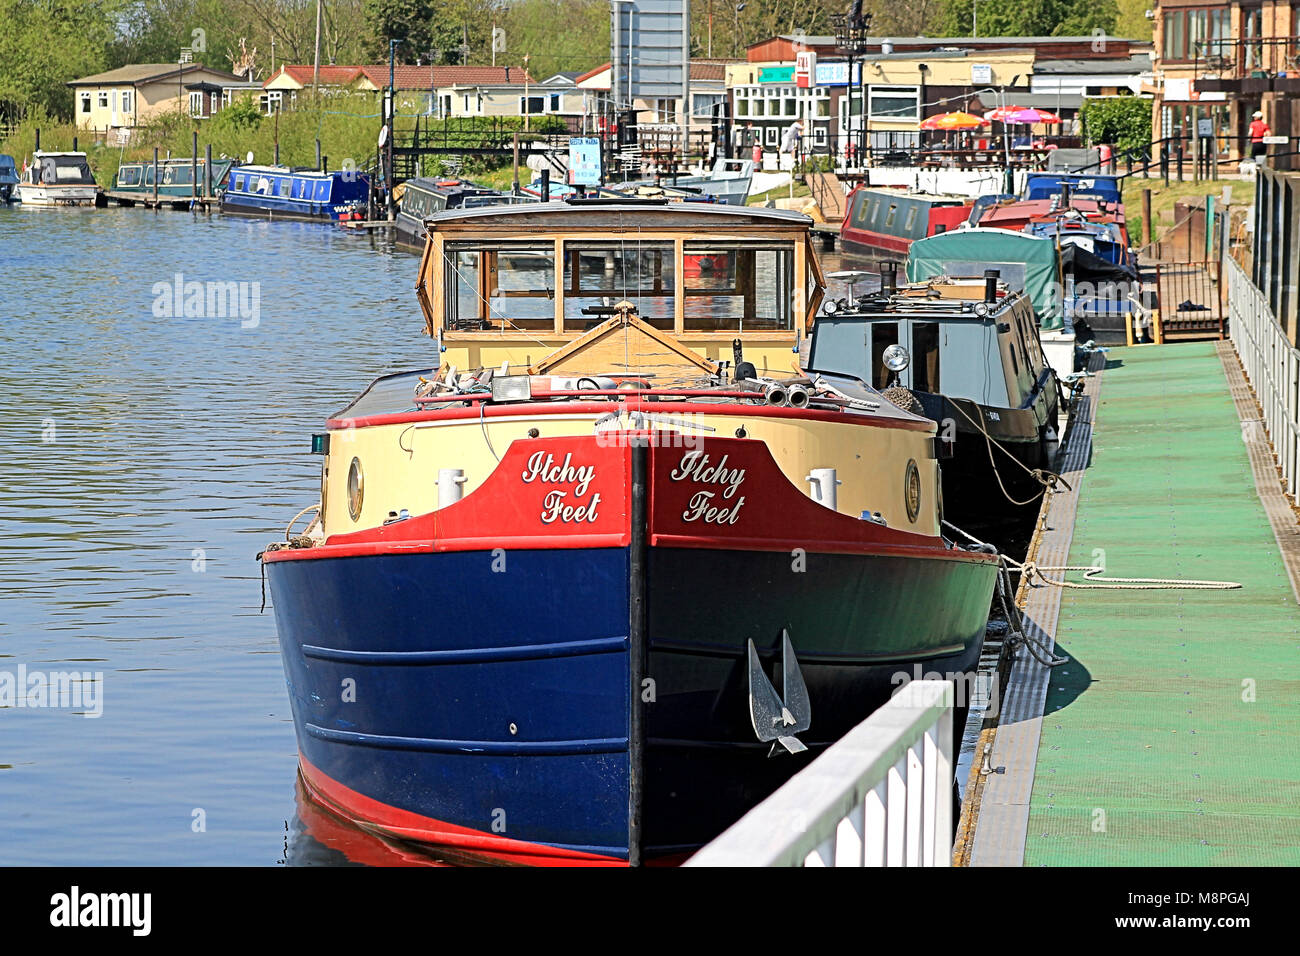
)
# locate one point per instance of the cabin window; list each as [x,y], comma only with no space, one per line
[284,188]
[148,175]
[893,212]
[738,287]
[925,356]
[883,335]
[239,182]
[911,220]
[323,190]
[128,176]
[602,273]
[500,285]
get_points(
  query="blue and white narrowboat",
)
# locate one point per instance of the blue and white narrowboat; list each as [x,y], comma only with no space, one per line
[8,179]
[284,192]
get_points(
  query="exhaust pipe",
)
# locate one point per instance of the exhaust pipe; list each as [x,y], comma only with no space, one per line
[991,285]
[776,395]
[889,277]
[797,396]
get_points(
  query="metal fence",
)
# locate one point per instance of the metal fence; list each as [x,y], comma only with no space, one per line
[880,796]
[1272,367]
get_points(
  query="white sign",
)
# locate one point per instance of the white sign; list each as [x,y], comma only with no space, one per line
[1204,128]
[981,73]
[1178,89]
[1276,140]
[832,74]
[805,68]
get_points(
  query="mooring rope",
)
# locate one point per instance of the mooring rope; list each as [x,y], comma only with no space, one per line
[1045,477]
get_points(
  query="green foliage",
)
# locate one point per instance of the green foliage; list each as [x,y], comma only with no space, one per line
[1132,21]
[1029,17]
[241,115]
[556,35]
[45,43]
[1122,121]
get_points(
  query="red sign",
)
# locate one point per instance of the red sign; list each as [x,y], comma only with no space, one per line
[805,69]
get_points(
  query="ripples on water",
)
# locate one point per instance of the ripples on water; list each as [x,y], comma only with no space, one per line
[171,437]
[177,443]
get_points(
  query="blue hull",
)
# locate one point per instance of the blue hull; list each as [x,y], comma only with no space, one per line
[448,656]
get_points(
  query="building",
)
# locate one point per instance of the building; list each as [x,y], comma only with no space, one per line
[421,89]
[133,95]
[899,81]
[1220,61]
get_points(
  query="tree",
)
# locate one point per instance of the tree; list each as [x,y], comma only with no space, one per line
[556,35]
[1028,17]
[1122,121]
[1132,21]
[46,43]
[460,31]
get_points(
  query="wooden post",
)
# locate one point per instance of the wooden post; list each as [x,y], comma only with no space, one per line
[318,163]
[1146,215]
[207,171]
[155,176]
[514,189]
[194,166]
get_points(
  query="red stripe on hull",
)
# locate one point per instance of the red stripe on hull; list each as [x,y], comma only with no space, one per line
[405,825]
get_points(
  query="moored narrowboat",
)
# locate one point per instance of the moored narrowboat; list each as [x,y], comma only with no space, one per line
[967,351]
[660,568]
[880,224]
[58,179]
[176,180]
[420,198]
[283,192]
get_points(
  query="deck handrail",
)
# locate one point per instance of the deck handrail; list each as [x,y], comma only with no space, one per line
[1272,367]
[880,796]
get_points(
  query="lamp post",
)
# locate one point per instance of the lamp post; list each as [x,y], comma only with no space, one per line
[851,38]
[735,35]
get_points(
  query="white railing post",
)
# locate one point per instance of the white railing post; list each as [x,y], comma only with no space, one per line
[880,796]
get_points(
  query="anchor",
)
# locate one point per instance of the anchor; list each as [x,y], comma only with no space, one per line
[778,717]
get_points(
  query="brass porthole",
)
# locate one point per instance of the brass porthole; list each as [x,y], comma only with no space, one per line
[356,489]
[912,491]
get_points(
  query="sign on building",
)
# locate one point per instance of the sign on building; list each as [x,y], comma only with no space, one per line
[649,49]
[981,73]
[805,69]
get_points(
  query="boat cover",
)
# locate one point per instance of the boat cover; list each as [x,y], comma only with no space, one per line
[1024,262]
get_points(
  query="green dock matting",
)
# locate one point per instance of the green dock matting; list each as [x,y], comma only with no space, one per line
[1171,737]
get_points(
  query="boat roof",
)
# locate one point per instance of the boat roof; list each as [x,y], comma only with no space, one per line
[629,209]
[46,152]
[632,207]
[284,170]
[915,194]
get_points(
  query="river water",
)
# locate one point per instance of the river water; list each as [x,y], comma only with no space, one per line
[147,459]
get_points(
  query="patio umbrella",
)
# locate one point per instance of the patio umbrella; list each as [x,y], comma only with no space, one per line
[1020,114]
[957,120]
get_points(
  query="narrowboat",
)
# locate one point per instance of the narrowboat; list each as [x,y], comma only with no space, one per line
[58,179]
[660,568]
[134,182]
[284,192]
[728,182]
[967,351]
[8,179]
[418,199]
[880,224]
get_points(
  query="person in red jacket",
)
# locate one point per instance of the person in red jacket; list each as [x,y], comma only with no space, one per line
[1258,130]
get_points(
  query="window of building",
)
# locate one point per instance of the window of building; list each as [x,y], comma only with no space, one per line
[533,105]
[894,102]
[85,102]
[196,103]
[103,99]
[128,105]
[1192,33]
[554,105]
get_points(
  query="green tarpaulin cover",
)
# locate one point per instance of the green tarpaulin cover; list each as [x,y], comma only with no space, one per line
[1025,262]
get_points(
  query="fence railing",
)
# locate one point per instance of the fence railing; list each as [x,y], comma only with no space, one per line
[880,796]
[1272,367]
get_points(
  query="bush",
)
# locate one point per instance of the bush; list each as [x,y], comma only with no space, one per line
[1121,121]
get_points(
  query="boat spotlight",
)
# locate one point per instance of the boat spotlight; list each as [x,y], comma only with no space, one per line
[896,358]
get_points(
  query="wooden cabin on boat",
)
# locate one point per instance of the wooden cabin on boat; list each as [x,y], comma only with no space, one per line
[518,283]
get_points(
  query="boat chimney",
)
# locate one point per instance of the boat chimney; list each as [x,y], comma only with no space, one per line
[889,277]
[546,184]
[74,144]
[991,285]
[38,141]
[1065,195]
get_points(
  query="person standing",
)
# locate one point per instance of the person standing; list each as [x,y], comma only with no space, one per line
[790,141]
[1258,130]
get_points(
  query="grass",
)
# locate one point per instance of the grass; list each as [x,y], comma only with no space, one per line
[780,192]
[1163,199]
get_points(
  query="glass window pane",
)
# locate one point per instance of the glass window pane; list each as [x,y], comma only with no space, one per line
[600,274]
[740,287]
[503,285]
